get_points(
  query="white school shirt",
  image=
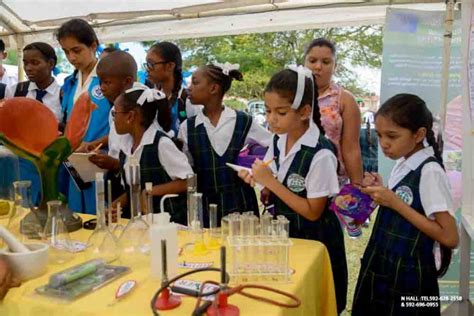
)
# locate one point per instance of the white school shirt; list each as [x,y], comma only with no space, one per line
[435,191]
[221,134]
[321,179]
[173,161]
[80,88]
[7,79]
[51,99]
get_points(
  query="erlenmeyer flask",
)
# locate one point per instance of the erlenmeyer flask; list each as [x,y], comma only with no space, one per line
[27,228]
[102,243]
[56,235]
[9,173]
[135,239]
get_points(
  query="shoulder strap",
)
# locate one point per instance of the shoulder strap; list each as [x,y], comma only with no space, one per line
[22,89]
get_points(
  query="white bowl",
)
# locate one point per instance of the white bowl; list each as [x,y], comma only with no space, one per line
[30,265]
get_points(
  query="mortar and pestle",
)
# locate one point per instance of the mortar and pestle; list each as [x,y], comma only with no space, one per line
[27,261]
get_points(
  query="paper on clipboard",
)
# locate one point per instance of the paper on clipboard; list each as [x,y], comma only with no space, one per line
[238,168]
[85,168]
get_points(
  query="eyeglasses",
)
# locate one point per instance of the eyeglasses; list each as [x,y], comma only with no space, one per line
[149,66]
[113,112]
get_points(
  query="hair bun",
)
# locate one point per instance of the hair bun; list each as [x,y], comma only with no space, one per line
[236,75]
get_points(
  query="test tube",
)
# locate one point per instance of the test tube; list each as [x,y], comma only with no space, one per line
[109,202]
[191,181]
[265,224]
[225,227]
[285,226]
[234,226]
[253,223]
[149,202]
[135,191]
[275,228]
[214,233]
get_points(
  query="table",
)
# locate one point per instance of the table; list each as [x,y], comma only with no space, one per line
[312,283]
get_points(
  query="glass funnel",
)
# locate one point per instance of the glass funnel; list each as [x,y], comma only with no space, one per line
[56,235]
[102,243]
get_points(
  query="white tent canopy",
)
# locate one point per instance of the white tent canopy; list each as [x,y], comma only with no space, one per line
[24,21]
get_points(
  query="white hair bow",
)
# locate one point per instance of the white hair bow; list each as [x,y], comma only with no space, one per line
[148,94]
[227,67]
[303,73]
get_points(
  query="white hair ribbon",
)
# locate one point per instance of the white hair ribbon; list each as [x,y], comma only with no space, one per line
[303,73]
[227,67]
[148,94]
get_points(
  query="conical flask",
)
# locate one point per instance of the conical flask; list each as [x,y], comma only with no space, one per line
[102,243]
[135,239]
[27,228]
[56,235]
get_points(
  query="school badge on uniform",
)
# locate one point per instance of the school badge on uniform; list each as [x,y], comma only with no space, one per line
[97,92]
[405,193]
[296,183]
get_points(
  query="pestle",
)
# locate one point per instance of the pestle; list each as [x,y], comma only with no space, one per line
[13,243]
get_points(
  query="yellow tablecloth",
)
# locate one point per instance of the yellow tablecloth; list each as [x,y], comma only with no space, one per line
[312,283]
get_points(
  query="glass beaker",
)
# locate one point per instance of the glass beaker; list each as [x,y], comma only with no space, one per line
[135,239]
[56,235]
[9,173]
[24,220]
[102,243]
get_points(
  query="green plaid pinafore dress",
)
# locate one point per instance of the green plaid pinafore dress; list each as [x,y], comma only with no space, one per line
[398,262]
[327,228]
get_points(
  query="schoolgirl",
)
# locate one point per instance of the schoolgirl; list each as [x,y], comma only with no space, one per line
[305,167]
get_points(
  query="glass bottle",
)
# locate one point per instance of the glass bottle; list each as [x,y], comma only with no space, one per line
[24,220]
[56,235]
[102,243]
[9,173]
[135,239]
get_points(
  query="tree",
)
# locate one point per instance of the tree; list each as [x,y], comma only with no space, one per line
[261,55]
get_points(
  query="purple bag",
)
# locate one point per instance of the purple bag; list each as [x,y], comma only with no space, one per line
[252,152]
[351,202]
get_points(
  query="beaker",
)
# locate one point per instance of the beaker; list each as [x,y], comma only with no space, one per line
[24,221]
[9,173]
[56,235]
[102,243]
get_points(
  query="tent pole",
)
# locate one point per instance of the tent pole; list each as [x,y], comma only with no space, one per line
[448,34]
[19,49]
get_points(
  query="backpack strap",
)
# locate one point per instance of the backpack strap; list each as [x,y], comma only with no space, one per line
[3,87]
[22,89]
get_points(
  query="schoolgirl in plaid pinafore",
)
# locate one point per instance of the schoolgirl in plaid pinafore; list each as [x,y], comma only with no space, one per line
[218,183]
[326,229]
[398,261]
[151,170]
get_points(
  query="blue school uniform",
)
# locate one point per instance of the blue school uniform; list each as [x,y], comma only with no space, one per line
[327,228]
[399,259]
[84,201]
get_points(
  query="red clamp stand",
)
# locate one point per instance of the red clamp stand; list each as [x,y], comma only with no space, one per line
[167,301]
[223,308]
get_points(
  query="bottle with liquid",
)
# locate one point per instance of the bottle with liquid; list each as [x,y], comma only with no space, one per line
[102,243]
[9,173]
[163,229]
